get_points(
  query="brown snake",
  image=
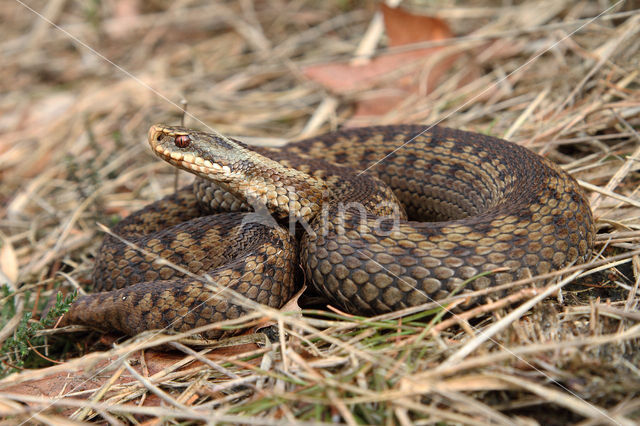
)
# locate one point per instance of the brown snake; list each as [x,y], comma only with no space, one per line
[475,204]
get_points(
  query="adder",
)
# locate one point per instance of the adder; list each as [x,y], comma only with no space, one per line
[380,218]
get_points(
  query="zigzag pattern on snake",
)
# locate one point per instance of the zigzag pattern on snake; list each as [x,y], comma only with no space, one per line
[474,204]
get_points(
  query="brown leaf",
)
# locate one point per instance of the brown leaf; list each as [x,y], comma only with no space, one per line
[59,384]
[341,77]
[8,261]
[401,73]
[405,28]
[126,8]
[291,306]
[158,360]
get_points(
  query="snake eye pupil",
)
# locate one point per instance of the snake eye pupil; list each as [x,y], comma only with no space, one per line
[182,141]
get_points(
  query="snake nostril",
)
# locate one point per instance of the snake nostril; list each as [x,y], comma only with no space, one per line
[158,136]
[182,141]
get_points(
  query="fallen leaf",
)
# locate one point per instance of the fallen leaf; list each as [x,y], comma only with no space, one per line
[403,27]
[126,8]
[399,74]
[8,261]
[291,306]
[81,383]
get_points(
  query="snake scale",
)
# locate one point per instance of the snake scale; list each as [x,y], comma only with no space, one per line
[474,204]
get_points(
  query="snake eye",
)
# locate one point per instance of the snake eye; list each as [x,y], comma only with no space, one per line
[182,141]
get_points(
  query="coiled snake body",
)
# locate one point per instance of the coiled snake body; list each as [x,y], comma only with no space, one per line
[475,204]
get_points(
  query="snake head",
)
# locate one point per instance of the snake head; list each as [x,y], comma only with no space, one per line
[209,155]
[236,168]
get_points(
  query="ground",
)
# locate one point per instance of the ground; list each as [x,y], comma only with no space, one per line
[83,81]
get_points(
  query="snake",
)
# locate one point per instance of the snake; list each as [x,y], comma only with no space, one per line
[376,219]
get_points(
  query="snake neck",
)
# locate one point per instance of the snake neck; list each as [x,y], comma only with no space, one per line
[232,165]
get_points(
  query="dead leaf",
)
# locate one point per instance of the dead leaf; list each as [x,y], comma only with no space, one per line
[403,27]
[8,261]
[126,8]
[398,74]
[291,306]
[127,12]
[58,384]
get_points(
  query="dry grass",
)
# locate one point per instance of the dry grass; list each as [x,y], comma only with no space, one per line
[73,120]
